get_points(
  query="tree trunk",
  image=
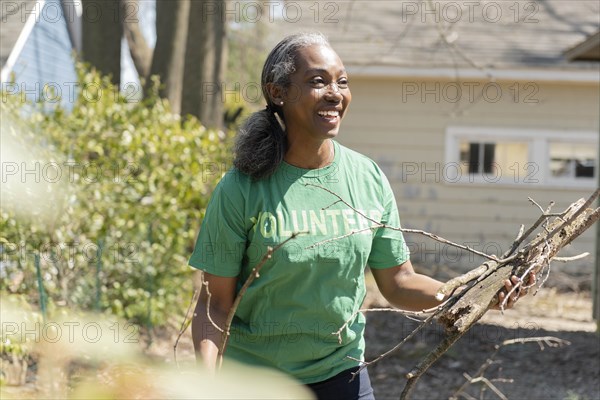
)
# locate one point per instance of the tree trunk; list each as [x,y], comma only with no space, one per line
[102,30]
[596,281]
[172,18]
[205,63]
[141,53]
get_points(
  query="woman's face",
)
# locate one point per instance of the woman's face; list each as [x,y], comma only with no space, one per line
[318,96]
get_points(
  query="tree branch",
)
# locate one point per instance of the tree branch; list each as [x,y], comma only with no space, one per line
[208,297]
[187,320]
[409,314]
[549,341]
[573,258]
[253,275]
[482,285]
[378,224]
[474,302]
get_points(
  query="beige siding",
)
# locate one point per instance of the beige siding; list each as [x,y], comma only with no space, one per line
[405,134]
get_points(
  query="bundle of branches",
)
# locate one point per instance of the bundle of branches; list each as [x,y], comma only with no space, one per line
[469,296]
[478,289]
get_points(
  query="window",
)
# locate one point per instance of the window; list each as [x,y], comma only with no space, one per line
[572,160]
[513,156]
[491,158]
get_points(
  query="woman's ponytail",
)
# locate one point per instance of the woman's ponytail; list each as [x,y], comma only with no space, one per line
[260,145]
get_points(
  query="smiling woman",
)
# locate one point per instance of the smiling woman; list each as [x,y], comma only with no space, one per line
[306,88]
[285,156]
[313,105]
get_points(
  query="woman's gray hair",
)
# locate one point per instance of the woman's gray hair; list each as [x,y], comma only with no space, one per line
[261,142]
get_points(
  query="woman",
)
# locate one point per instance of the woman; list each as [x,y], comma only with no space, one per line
[285,158]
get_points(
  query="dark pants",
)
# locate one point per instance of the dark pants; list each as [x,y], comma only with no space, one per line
[340,388]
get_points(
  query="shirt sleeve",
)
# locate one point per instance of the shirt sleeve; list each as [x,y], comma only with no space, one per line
[221,243]
[389,248]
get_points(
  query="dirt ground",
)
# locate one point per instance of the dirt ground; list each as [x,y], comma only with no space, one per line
[562,309]
[520,372]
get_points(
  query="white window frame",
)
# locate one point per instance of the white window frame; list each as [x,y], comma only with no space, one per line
[537,169]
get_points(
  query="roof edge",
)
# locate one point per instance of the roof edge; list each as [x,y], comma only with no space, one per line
[23,36]
[589,45]
[533,74]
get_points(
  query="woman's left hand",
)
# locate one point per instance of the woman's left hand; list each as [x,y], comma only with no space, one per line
[515,289]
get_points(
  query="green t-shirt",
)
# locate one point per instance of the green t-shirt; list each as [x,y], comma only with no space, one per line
[287,316]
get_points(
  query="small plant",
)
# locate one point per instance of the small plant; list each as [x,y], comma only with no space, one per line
[13,363]
[19,323]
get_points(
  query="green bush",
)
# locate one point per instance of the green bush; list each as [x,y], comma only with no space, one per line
[122,216]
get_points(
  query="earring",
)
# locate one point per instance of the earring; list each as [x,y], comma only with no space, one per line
[281,103]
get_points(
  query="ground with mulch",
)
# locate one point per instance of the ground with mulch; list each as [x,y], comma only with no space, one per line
[520,371]
[527,371]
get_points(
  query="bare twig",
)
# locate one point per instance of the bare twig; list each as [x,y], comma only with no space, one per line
[408,314]
[545,273]
[543,218]
[520,234]
[395,228]
[253,275]
[433,313]
[489,267]
[446,241]
[535,203]
[416,373]
[365,364]
[549,341]
[573,258]
[461,390]
[354,232]
[488,383]
[184,325]
[571,214]
[208,297]
[467,396]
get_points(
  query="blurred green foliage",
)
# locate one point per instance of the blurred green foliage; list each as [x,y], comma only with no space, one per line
[113,200]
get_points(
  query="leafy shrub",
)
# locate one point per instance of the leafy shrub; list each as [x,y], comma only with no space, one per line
[108,197]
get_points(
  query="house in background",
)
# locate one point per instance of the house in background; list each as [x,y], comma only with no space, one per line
[37,42]
[38,38]
[470,108]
